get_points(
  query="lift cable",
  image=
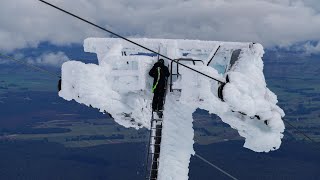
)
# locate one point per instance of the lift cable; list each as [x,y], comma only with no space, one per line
[216,167]
[302,133]
[126,39]
[30,66]
[232,177]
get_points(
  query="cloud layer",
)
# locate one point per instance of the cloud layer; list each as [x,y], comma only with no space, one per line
[50,59]
[270,22]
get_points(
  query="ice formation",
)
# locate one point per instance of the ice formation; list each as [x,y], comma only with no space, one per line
[120,85]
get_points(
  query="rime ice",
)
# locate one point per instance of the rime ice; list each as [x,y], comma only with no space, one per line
[120,85]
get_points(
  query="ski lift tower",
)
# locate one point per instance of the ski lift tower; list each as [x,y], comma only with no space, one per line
[119,84]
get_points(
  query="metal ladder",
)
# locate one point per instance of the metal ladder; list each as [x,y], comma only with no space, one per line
[153,155]
[152,162]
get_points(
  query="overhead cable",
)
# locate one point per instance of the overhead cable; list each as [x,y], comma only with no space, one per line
[216,167]
[126,39]
[302,133]
[30,65]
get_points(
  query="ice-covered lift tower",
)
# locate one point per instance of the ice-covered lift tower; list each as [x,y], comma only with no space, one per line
[120,85]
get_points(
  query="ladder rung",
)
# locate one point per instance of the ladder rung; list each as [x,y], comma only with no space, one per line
[153,153]
[149,172]
[153,170]
[157,124]
[153,120]
[150,178]
[156,118]
[155,144]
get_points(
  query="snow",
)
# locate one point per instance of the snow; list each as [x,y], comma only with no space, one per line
[177,140]
[121,86]
[118,91]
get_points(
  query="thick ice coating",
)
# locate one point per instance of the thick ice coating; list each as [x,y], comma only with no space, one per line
[120,85]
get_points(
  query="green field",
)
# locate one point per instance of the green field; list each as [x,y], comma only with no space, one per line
[17,80]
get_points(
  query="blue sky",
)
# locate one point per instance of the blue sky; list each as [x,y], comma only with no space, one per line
[273,23]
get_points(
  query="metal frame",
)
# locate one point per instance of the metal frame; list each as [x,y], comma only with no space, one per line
[214,55]
[178,74]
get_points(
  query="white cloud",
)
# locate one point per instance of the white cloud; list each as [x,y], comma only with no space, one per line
[270,22]
[50,59]
[312,49]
